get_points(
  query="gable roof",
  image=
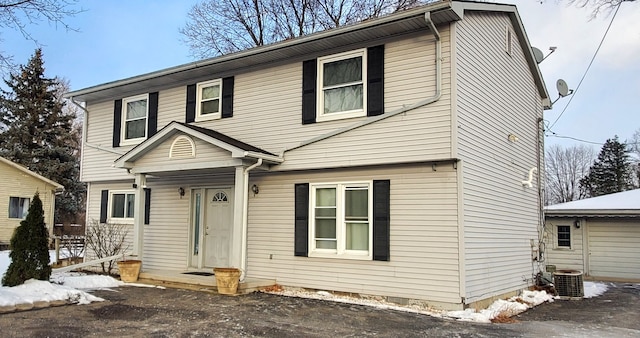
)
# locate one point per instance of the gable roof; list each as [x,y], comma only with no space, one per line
[621,203]
[56,185]
[237,148]
[403,22]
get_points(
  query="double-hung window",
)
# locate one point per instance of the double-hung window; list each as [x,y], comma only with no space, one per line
[341,220]
[342,80]
[18,207]
[121,205]
[135,111]
[209,100]
[564,236]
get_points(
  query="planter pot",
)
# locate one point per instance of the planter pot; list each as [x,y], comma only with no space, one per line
[227,280]
[129,270]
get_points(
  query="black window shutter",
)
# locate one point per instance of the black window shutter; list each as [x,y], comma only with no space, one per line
[117,121]
[381,220]
[227,97]
[152,122]
[375,80]
[104,200]
[191,103]
[302,219]
[147,204]
[309,70]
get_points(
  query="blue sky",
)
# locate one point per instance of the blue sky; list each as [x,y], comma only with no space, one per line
[120,39]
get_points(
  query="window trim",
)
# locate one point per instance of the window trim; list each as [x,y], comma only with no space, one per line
[508,47]
[208,117]
[563,247]
[320,115]
[341,251]
[24,212]
[123,140]
[126,192]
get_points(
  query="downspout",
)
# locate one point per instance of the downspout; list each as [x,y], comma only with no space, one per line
[404,109]
[245,214]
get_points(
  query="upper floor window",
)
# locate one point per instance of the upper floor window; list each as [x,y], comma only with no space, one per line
[564,236]
[18,207]
[342,80]
[209,100]
[135,111]
[121,205]
[341,220]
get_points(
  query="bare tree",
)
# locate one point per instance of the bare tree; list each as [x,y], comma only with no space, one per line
[634,149]
[216,27]
[19,14]
[564,167]
[598,6]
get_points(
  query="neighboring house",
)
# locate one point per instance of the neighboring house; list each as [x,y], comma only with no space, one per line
[383,158]
[19,185]
[599,236]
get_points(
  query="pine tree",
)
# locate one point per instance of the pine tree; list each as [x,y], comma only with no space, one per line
[37,133]
[611,172]
[29,248]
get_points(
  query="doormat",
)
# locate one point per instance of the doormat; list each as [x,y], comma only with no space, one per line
[198,273]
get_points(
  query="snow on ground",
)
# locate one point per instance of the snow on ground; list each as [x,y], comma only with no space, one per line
[69,287]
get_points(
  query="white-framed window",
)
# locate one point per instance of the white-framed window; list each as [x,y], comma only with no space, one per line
[121,204]
[135,112]
[564,236]
[342,85]
[341,220]
[18,207]
[209,100]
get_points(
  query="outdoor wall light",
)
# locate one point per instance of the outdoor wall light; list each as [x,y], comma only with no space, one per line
[181,191]
[255,189]
[576,223]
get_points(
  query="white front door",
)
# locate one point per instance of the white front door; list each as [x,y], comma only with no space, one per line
[211,227]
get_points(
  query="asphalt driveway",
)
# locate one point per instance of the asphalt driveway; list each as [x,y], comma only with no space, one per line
[151,312]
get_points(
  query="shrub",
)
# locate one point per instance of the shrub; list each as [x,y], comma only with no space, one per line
[106,240]
[29,248]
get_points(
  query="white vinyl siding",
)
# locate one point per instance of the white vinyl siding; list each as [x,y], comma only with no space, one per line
[564,258]
[16,183]
[159,155]
[409,78]
[496,96]
[423,236]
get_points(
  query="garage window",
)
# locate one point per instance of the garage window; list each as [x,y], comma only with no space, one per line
[564,236]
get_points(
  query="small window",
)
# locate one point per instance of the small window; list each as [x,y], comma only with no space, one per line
[564,236]
[18,207]
[209,100]
[342,85]
[121,205]
[135,111]
[341,220]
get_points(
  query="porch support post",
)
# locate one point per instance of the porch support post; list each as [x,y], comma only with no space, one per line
[138,214]
[238,197]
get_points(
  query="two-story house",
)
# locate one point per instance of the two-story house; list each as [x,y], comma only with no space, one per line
[382,158]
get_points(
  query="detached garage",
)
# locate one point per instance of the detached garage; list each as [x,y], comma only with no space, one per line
[599,236]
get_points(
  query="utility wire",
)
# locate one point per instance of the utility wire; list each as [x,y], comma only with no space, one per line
[588,67]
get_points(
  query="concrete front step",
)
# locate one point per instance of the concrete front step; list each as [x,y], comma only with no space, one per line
[181,280]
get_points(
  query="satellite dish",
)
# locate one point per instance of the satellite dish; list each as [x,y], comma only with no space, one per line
[537,54]
[563,88]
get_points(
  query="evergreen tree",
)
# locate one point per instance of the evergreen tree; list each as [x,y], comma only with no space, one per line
[37,133]
[611,172]
[29,248]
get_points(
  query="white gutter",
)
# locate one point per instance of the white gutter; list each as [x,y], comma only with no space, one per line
[404,109]
[84,134]
[245,214]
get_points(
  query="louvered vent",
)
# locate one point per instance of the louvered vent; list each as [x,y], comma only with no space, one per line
[569,284]
[182,147]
